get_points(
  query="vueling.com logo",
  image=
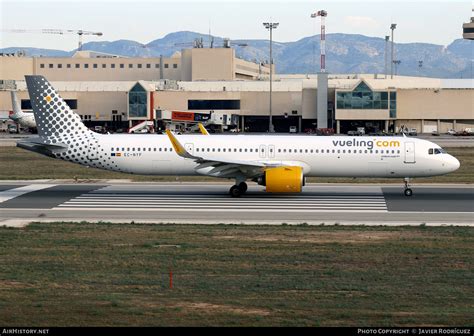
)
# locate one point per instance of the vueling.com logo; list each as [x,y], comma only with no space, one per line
[366,143]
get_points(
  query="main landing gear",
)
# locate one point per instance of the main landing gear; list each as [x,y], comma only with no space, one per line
[408,191]
[238,190]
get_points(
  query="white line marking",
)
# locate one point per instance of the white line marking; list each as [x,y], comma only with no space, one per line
[135,201]
[217,210]
[179,206]
[15,192]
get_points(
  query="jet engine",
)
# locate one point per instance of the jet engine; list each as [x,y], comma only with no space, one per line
[286,179]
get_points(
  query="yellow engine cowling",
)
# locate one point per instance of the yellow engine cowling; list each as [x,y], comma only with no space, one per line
[284,179]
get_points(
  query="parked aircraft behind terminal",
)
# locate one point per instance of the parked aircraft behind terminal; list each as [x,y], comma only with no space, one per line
[26,120]
[278,162]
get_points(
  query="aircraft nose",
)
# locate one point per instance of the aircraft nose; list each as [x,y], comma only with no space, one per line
[454,163]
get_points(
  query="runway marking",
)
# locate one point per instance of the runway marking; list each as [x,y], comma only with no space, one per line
[116,201]
[9,194]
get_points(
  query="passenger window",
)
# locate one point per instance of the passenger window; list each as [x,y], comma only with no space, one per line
[213,149]
[279,150]
[154,149]
[338,151]
[133,149]
[289,150]
[159,149]
[376,151]
[218,149]
[333,150]
[250,150]
[284,150]
[165,149]
[245,150]
[240,150]
[430,151]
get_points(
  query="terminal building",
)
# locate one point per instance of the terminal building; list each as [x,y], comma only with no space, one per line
[215,87]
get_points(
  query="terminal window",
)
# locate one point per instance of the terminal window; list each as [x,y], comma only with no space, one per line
[51,66]
[166,65]
[148,66]
[362,98]
[112,66]
[130,66]
[137,102]
[157,65]
[223,104]
[175,66]
[60,66]
[78,66]
[86,66]
[68,66]
[122,66]
[26,104]
[104,66]
[139,66]
[95,66]
[42,66]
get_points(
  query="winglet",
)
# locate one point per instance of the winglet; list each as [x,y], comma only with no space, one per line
[203,129]
[179,149]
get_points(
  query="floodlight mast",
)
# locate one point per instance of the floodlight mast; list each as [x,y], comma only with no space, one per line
[270,26]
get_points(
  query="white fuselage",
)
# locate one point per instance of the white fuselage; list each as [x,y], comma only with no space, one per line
[336,156]
[26,120]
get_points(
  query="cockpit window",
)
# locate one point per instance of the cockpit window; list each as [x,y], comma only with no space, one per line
[436,151]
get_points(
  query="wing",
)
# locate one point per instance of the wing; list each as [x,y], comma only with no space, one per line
[217,167]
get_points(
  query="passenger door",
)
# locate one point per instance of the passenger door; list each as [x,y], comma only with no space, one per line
[271,151]
[262,151]
[409,152]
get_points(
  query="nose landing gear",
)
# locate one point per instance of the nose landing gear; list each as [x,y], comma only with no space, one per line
[238,190]
[408,191]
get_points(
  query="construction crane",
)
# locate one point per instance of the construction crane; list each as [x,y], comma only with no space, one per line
[56,31]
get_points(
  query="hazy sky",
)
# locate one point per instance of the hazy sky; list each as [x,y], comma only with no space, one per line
[438,22]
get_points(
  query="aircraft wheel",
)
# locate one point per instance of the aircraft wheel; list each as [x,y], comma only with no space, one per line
[243,187]
[235,191]
[408,192]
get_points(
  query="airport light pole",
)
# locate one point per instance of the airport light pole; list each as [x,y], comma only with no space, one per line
[387,38]
[392,27]
[270,26]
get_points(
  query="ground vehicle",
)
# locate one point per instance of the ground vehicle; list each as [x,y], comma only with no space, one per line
[12,128]
[293,129]
[353,133]
[451,132]
[412,131]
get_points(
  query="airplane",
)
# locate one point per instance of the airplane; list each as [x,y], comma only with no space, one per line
[280,163]
[26,120]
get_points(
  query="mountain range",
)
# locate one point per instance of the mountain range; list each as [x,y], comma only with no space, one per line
[345,53]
